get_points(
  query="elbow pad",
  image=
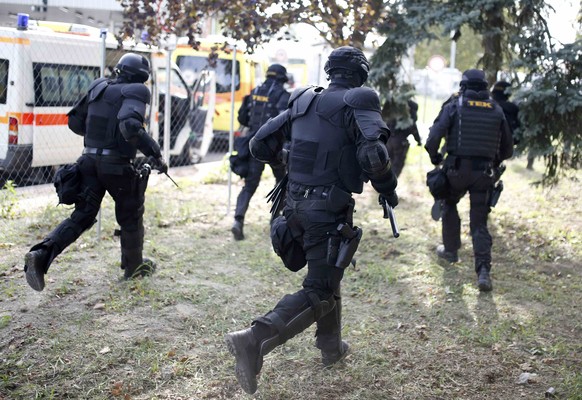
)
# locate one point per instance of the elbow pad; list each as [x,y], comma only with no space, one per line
[130,129]
[265,150]
[373,158]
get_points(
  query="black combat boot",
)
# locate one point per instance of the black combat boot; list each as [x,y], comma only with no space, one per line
[483,278]
[146,268]
[237,230]
[244,347]
[249,346]
[329,337]
[331,355]
[35,267]
[450,256]
[134,265]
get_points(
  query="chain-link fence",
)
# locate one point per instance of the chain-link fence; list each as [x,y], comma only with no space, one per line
[43,73]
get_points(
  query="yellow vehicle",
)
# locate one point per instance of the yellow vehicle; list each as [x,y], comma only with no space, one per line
[249,72]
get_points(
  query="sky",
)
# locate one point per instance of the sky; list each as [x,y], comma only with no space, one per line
[562,23]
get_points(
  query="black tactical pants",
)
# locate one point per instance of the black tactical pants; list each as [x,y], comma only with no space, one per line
[251,184]
[476,178]
[102,174]
[397,150]
[321,286]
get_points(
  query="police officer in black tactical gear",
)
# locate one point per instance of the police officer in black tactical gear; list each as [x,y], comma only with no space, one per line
[111,119]
[500,92]
[398,144]
[478,139]
[264,102]
[337,142]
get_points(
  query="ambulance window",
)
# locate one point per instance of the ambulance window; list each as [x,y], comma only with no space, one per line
[191,66]
[76,82]
[49,85]
[3,80]
[61,85]
[224,76]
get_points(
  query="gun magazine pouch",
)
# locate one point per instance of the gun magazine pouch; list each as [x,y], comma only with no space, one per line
[437,183]
[286,245]
[68,183]
[239,159]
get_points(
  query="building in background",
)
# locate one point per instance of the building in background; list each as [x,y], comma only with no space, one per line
[97,13]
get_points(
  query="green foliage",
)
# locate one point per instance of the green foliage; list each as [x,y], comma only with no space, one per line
[550,97]
[512,34]
[253,22]
[8,200]
[468,49]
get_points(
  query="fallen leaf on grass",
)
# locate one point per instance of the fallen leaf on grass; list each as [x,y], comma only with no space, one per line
[526,378]
[526,367]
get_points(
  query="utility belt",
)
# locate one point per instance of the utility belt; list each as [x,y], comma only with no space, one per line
[309,191]
[342,241]
[477,163]
[329,198]
[105,152]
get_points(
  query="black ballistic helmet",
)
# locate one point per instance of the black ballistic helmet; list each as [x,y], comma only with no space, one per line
[135,67]
[500,89]
[278,72]
[347,60]
[474,79]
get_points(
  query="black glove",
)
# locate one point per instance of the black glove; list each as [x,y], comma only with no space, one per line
[391,198]
[161,165]
[436,159]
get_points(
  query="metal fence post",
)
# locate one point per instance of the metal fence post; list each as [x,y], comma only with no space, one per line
[231,133]
[103,35]
[167,105]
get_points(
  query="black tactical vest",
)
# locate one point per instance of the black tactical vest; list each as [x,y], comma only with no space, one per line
[102,125]
[477,131]
[323,150]
[264,101]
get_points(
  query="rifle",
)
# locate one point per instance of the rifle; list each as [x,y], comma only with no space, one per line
[389,213]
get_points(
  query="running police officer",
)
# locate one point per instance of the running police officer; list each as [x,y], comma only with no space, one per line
[264,102]
[337,141]
[478,139]
[398,144]
[111,119]
[500,93]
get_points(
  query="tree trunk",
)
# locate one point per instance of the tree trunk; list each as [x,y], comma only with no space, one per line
[492,41]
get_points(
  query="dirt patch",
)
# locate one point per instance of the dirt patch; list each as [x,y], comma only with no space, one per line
[419,328]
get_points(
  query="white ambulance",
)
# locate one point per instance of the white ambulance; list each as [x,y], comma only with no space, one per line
[45,68]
